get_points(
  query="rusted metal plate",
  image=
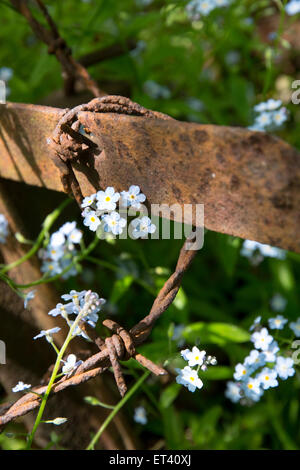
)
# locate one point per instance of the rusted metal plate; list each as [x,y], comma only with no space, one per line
[249,182]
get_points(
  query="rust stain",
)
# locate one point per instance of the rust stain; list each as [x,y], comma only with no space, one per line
[247,181]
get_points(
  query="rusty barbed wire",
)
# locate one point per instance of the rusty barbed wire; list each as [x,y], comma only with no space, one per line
[73,70]
[120,346]
[67,144]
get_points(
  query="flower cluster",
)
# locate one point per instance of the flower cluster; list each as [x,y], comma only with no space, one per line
[270,115]
[293,7]
[195,358]
[99,212]
[258,251]
[61,250]
[3,228]
[85,304]
[197,8]
[263,367]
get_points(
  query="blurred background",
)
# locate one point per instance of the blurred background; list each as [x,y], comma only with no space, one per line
[214,69]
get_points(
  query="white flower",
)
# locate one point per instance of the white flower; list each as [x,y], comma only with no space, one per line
[79,332]
[295,327]
[88,201]
[255,359]
[269,105]
[252,389]
[277,323]
[74,295]
[250,247]
[271,352]
[29,296]
[114,223]
[278,303]
[241,372]
[194,357]
[267,378]
[55,252]
[67,228]
[106,200]
[75,236]
[92,221]
[70,364]
[140,415]
[20,387]
[280,116]
[189,378]
[133,197]
[61,251]
[233,391]
[142,227]
[285,367]
[63,310]
[57,239]
[263,120]
[48,334]
[293,7]
[51,268]
[262,339]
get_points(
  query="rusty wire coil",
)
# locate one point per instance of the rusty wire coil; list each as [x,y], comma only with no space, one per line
[120,346]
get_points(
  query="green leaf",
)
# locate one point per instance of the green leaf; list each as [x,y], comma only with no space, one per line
[217,373]
[216,333]
[174,431]
[120,288]
[169,394]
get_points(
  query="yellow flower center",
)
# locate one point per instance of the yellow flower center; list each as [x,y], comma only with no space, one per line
[197,358]
[107,198]
[93,219]
[192,378]
[250,386]
[267,377]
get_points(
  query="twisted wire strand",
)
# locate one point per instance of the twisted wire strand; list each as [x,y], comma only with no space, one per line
[122,343]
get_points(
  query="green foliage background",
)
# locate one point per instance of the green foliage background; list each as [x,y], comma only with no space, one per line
[192,59]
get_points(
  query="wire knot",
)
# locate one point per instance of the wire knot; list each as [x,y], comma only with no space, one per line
[120,346]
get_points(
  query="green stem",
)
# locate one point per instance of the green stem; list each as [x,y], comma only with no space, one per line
[45,280]
[116,409]
[48,222]
[112,267]
[51,382]
[270,68]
